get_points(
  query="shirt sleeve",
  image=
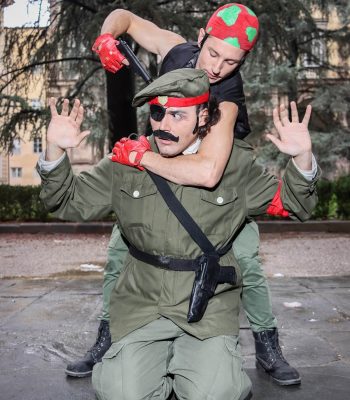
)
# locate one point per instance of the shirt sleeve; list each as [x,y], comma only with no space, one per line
[83,197]
[48,166]
[309,175]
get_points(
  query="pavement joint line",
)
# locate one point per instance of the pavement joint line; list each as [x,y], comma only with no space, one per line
[36,298]
[327,364]
[18,297]
[30,297]
[300,279]
[342,314]
[86,294]
[327,340]
[306,286]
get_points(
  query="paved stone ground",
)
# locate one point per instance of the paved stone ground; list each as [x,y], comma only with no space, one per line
[54,254]
[46,323]
[49,310]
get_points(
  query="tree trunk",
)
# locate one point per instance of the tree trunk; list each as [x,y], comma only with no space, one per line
[122,116]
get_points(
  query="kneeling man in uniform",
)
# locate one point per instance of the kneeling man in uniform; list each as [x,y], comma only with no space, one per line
[174,310]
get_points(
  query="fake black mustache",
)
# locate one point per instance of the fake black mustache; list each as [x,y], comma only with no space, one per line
[165,135]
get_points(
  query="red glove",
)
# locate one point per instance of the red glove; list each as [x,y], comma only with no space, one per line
[122,149]
[111,58]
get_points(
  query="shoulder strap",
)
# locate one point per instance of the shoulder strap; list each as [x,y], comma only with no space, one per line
[182,215]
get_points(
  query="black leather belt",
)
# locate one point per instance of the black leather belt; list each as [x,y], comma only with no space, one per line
[226,274]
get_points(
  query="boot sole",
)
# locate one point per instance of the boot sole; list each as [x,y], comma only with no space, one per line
[289,382]
[249,396]
[78,374]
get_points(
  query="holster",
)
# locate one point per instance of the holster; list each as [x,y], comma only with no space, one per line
[204,285]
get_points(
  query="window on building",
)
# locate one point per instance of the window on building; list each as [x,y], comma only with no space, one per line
[16,147]
[37,145]
[16,172]
[37,70]
[36,104]
[316,55]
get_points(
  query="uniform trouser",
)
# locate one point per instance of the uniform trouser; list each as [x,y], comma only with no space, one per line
[151,361]
[256,298]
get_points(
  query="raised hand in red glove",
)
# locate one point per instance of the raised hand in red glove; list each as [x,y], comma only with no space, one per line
[111,58]
[122,149]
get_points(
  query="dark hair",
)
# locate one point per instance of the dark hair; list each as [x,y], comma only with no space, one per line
[205,37]
[211,119]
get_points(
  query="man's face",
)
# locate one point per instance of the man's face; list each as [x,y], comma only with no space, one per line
[180,122]
[218,58]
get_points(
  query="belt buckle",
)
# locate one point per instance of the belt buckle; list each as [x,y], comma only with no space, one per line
[165,260]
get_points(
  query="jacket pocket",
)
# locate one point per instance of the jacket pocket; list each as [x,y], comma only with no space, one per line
[138,203]
[219,198]
[217,206]
[114,350]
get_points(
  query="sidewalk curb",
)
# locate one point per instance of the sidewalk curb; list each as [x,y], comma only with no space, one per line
[309,226]
[106,227]
[57,227]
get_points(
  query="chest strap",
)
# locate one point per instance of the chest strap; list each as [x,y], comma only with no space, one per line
[226,274]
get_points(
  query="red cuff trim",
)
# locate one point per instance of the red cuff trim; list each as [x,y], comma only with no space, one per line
[166,101]
[276,206]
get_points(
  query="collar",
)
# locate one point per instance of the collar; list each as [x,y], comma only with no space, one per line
[193,148]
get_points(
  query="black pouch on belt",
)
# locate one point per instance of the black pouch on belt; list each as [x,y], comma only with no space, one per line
[204,285]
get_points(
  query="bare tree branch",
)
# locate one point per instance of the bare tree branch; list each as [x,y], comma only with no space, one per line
[80,4]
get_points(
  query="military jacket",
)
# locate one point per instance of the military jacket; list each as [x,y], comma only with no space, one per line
[143,292]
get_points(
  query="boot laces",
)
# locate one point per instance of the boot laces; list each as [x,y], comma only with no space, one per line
[273,343]
[102,336]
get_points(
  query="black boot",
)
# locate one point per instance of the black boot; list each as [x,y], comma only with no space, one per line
[83,367]
[269,356]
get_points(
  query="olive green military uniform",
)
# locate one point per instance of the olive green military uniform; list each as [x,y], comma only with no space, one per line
[149,225]
[151,336]
[145,293]
[255,296]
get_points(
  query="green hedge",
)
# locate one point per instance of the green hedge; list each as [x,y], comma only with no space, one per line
[22,203]
[334,199]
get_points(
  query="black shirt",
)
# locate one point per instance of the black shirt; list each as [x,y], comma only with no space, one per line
[185,55]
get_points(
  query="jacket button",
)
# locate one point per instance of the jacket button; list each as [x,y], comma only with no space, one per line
[136,193]
[219,200]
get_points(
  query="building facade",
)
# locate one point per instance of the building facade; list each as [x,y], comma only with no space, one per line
[17,166]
